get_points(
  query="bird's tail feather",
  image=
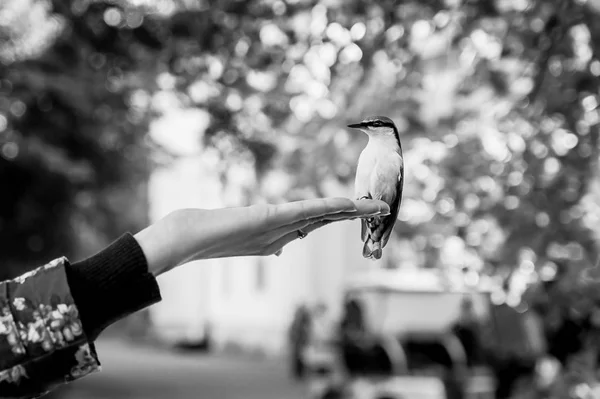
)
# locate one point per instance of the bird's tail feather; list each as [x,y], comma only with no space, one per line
[372,249]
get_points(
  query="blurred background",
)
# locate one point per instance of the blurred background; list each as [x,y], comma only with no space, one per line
[114,113]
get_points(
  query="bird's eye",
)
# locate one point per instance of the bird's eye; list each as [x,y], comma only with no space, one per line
[377,123]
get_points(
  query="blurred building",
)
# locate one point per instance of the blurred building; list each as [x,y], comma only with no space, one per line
[252,300]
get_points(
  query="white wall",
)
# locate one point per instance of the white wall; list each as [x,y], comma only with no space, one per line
[187,183]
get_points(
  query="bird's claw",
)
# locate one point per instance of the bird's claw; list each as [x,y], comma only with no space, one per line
[369,221]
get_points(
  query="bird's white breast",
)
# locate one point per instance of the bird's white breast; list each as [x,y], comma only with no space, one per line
[378,170]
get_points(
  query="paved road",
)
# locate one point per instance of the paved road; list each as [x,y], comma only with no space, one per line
[139,372]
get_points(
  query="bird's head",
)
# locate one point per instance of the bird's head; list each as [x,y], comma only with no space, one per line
[377,126]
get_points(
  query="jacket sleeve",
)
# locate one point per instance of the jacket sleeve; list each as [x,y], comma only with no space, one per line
[42,341]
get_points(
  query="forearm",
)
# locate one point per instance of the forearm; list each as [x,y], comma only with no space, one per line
[121,279]
[52,315]
[79,301]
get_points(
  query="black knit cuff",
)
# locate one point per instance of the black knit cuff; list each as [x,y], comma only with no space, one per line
[111,285]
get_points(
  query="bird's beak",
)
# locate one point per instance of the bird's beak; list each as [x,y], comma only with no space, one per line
[356,125]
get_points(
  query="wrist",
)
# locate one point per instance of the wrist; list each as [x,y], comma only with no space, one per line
[167,243]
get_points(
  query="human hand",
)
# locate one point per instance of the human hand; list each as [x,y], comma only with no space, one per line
[193,234]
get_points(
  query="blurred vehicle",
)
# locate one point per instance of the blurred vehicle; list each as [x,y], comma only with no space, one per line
[398,338]
[420,301]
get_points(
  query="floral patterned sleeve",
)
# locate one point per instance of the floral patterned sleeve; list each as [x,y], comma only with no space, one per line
[42,342]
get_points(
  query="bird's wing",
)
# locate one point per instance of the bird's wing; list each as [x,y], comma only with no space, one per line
[390,220]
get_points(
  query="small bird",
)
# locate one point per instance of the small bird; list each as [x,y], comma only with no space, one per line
[380,176]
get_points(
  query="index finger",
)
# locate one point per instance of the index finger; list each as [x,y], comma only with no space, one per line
[292,212]
[366,207]
[307,209]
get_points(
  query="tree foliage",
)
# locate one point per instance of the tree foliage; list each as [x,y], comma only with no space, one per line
[496,100]
[72,143]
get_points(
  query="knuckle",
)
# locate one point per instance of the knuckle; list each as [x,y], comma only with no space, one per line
[263,212]
[303,211]
[323,205]
[270,211]
[261,209]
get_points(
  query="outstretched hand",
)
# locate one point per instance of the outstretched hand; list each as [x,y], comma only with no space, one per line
[192,234]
